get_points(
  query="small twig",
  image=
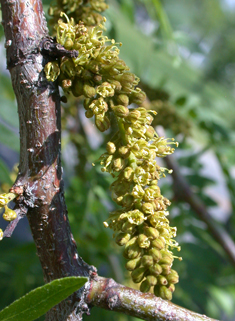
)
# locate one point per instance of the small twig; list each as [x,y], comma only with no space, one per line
[184,192]
[21,212]
[108,294]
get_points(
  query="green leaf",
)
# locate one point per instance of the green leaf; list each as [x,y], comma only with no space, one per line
[9,138]
[39,301]
[4,173]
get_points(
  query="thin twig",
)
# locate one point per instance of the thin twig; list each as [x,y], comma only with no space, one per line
[108,294]
[184,192]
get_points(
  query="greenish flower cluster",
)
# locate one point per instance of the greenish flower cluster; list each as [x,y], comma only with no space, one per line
[141,225]
[87,11]
[9,214]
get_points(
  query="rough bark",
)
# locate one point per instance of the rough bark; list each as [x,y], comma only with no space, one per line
[40,175]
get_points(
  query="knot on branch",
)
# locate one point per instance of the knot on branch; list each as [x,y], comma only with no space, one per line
[50,47]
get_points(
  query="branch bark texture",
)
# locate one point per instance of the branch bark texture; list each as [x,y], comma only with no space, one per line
[39,182]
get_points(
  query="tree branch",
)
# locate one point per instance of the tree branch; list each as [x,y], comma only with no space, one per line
[183,192]
[108,294]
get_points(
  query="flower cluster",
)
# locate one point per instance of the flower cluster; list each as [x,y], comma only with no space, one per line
[141,224]
[109,87]
[87,11]
[9,214]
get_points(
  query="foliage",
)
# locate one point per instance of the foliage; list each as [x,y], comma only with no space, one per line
[166,58]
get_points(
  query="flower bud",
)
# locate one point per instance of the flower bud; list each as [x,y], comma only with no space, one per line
[128,174]
[124,151]
[171,287]
[138,274]
[68,44]
[143,241]
[165,293]
[145,286]
[77,87]
[155,254]
[9,214]
[134,115]
[166,269]
[89,113]
[52,71]
[133,264]
[138,97]
[110,147]
[88,91]
[162,280]
[151,232]
[158,244]
[66,83]
[6,198]
[120,111]
[127,201]
[118,164]
[127,227]
[166,259]
[148,208]
[122,238]
[173,277]
[102,123]
[150,132]
[152,280]
[97,79]
[126,78]
[155,269]
[147,260]
[122,100]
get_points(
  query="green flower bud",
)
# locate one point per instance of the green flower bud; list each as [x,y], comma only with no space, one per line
[145,286]
[116,84]
[110,147]
[122,238]
[133,264]
[126,78]
[6,198]
[158,244]
[132,252]
[165,293]
[152,280]
[150,132]
[89,91]
[89,113]
[166,259]
[128,174]
[120,111]
[138,97]
[148,208]
[155,269]
[97,79]
[171,287]
[166,269]
[151,232]
[127,201]
[124,151]
[52,71]
[102,123]
[162,280]
[66,83]
[118,164]
[9,214]
[68,44]
[173,277]
[134,115]
[122,100]
[143,241]
[127,227]
[155,254]
[147,260]
[87,75]
[77,87]
[137,191]
[138,274]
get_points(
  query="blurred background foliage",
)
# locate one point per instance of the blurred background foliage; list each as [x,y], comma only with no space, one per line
[184,53]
